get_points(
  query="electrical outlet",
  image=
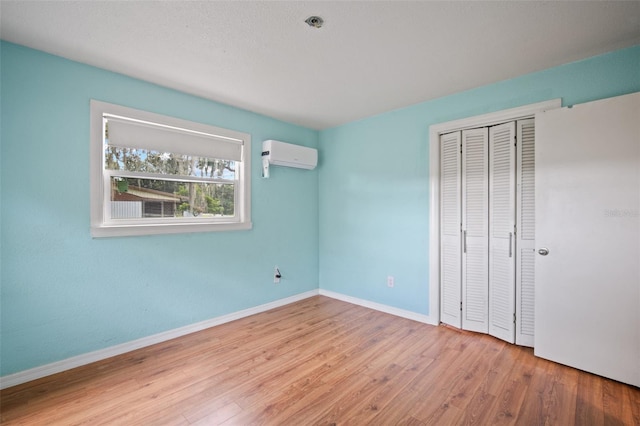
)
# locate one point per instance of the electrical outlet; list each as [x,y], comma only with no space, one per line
[390,281]
[276,275]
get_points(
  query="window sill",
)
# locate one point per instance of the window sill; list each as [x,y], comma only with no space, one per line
[156,229]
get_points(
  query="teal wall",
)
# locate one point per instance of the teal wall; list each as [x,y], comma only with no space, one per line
[374,180]
[64,293]
[363,216]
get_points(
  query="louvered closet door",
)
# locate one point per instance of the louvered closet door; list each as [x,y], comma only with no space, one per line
[450,244]
[475,229]
[502,204]
[526,231]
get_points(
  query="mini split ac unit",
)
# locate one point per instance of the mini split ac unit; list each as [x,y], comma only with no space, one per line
[285,154]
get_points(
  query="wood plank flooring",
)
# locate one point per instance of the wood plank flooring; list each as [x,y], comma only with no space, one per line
[321,361]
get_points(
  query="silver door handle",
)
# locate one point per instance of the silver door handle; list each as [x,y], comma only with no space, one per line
[543,251]
[510,244]
[464,241]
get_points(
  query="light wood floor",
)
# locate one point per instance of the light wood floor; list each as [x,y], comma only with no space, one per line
[323,361]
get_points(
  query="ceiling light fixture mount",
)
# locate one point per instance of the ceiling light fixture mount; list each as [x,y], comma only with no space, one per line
[314,21]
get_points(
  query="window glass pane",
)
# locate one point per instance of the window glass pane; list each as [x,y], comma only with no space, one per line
[148,161]
[154,198]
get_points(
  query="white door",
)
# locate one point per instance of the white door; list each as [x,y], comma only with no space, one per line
[475,229]
[502,216]
[450,230]
[588,217]
[525,232]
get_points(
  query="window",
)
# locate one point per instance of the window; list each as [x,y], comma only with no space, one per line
[152,174]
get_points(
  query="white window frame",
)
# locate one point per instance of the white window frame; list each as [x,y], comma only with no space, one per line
[102,226]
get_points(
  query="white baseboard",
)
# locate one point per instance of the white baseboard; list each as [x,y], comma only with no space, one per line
[380,307]
[84,359]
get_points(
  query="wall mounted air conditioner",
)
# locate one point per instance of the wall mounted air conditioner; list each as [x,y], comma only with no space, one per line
[285,154]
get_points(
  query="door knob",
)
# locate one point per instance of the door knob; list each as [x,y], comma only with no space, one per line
[543,251]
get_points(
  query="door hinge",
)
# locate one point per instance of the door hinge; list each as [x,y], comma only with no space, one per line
[460,306]
[514,317]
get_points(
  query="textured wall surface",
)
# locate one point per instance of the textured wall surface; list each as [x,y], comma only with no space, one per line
[374,182]
[363,216]
[64,293]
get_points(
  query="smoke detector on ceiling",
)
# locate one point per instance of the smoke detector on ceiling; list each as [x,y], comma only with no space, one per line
[314,21]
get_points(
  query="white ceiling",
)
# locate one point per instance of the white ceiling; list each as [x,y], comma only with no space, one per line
[368,58]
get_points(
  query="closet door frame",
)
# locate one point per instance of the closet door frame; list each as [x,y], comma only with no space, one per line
[523,112]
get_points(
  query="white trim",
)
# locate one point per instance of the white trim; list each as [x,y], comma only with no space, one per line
[435,130]
[152,229]
[493,118]
[84,359]
[427,319]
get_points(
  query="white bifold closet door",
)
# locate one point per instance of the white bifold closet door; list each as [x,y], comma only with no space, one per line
[502,216]
[464,229]
[488,230]
[450,229]
[525,232]
[475,229]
